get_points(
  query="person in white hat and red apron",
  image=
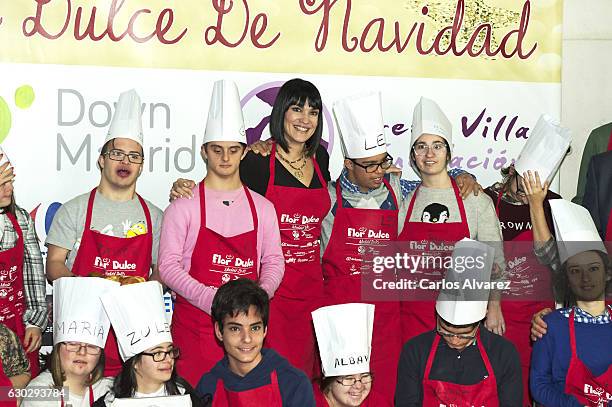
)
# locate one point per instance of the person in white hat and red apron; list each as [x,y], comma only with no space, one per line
[572,363]
[460,363]
[76,364]
[599,141]
[14,366]
[110,232]
[138,316]
[23,303]
[250,375]
[437,217]
[531,285]
[225,232]
[344,335]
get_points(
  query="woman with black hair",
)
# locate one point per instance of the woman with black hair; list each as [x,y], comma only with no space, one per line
[294,178]
[23,303]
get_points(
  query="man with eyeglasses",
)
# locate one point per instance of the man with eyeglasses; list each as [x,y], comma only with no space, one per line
[460,362]
[110,232]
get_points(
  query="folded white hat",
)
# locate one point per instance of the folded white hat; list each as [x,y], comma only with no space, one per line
[575,230]
[78,315]
[138,317]
[225,121]
[344,335]
[165,401]
[360,123]
[428,118]
[127,119]
[466,303]
[545,149]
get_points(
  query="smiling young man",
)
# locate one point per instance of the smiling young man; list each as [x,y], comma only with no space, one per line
[111,231]
[249,375]
[224,233]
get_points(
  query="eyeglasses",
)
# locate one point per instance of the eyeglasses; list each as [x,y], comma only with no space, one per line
[422,148]
[76,347]
[385,165]
[449,335]
[119,155]
[160,356]
[349,381]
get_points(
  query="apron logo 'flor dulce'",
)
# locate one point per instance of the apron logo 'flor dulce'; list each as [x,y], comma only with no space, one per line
[298,218]
[369,233]
[105,262]
[227,261]
[597,395]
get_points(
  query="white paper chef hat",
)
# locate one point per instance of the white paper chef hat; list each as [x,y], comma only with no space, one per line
[164,401]
[575,230]
[127,119]
[78,315]
[465,303]
[225,121]
[360,123]
[428,118]
[138,317]
[344,335]
[545,149]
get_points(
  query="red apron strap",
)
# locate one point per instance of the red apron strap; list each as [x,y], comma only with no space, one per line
[459,201]
[610,142]
[572,333]
[90,202]
[411,206]
[16,226]
[483,354]
[91,397]
[145,208]
[499,198]
[272,165]
[339,206]
[391,191]
[430,358]
[252,206]
[202,205]
[319,174]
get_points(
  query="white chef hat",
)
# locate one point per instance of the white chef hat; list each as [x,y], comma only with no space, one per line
[545,149]
[575,230]
[360,123]
[78,315]
[465,303]
[127,119]
[138,317]
[428,118]
[225,121]
[344,335]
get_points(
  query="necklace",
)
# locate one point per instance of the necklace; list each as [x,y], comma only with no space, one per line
[297,171]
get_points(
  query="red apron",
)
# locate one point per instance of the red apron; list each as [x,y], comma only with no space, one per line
[91,397]
[300,212]
[526,278]
[418,317]
[5,386]
[113,257]
[589,390]
[12,299]
[437,393]
[264,396]
[215,261]
[343,267]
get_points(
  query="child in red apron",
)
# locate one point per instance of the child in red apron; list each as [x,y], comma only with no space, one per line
[250,375]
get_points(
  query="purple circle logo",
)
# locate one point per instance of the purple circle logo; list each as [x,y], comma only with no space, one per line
[257,106]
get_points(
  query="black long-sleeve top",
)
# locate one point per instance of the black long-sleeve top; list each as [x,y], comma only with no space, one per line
[465,367]
[255,172]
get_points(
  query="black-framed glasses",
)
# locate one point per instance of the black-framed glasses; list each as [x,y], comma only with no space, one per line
[437,148]
[160,355]
[449,335]
[350,381]
[76,347]
[370,168]
[119,155]
[519,190]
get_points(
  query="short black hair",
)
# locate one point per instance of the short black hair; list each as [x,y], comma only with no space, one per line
[236,297]
[296,92]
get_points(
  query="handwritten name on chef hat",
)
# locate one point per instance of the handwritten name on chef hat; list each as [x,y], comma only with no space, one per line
[78,315]
[138,317]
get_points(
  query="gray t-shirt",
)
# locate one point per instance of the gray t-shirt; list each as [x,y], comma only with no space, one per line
[120,219]
[435,205]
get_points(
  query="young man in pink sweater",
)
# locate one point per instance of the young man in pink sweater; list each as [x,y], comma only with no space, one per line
[223,233]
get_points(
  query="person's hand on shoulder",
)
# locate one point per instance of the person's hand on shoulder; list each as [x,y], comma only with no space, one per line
[261,147]
[182,188]
[467,185]
[538,326]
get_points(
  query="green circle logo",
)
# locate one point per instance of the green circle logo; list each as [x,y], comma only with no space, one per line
[24,96]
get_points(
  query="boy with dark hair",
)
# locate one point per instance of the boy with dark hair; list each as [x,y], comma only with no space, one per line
[249,375]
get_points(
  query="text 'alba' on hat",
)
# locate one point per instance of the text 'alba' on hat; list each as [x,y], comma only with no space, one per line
[344,335]
[361,126]
[465,300]
[138,317]
[575,230]
[545,149]
[78,315]
[225,120]
[127,119]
